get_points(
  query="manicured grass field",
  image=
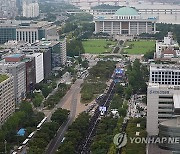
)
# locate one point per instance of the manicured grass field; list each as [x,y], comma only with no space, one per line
[139,47]
[97,46]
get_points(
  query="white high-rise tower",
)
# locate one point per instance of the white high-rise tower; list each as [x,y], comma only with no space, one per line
[30,9]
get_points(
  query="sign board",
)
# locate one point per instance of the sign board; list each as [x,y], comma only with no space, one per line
[158,92]
[102,108]
[119,71]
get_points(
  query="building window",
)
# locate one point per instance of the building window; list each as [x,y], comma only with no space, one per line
[20,33]
[165,102]
[165,96]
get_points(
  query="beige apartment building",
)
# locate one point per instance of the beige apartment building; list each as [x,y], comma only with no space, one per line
[7,99]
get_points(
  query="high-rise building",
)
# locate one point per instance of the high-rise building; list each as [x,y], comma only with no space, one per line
[165,74]
[54,53]
[163,114]
[8,9]
[39,65]
[63,53]
[7,99]
[18,71]
[46,53]
[160,105]
[30,68]
[30,9]
[163,104]
[30,73]
[7,32]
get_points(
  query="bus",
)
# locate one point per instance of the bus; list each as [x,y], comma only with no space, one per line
[25,141]
[31,135]
[20,148]
[40,124]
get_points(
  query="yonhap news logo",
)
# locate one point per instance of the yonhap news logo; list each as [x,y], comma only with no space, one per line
[121,139]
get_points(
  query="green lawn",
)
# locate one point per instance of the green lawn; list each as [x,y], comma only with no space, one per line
[97,46]
[139,47]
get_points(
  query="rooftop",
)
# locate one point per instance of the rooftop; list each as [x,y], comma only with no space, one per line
[15,55]
[27,59]
[168,51]
[172,67]
[126,11]
[3,77]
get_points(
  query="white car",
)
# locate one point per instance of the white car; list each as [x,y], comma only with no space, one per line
[102,113]
[63,140]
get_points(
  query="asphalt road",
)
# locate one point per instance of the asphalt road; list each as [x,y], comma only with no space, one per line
[84,148]
[74,91]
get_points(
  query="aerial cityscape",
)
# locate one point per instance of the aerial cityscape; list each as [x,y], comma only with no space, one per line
[89,76]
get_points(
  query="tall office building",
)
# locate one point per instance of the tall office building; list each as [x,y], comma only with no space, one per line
[59,54]
[30,73]
[39,65]
[18,71]
[54,53]
[8,9]
[165,74]
[163,103]
[46,54]
[30,68]
[160,105]
[163,114]
[7,99]
[30,9]
[63,53]
[7,32]
[160,94]
[19,4]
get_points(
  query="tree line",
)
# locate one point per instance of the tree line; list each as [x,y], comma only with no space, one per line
[96,81]
[48,130]
[24,117]
[75,134]
[137,77]
[162,30]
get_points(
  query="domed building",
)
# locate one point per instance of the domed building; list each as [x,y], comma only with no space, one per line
[125,21]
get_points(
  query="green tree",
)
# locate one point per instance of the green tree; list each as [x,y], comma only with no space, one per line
[38,98]
[60,115]
[149,55]
[119,89]
[66,148]
[26,107]
[122,112]
[128,92]
[85,64]
[46,90]
[75,48]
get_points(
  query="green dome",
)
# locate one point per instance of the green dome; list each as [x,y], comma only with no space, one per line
[126,11]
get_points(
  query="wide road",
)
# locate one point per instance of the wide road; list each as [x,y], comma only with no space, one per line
[64,100]
[72,94]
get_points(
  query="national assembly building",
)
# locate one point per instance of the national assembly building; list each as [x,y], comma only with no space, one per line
[125,21]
